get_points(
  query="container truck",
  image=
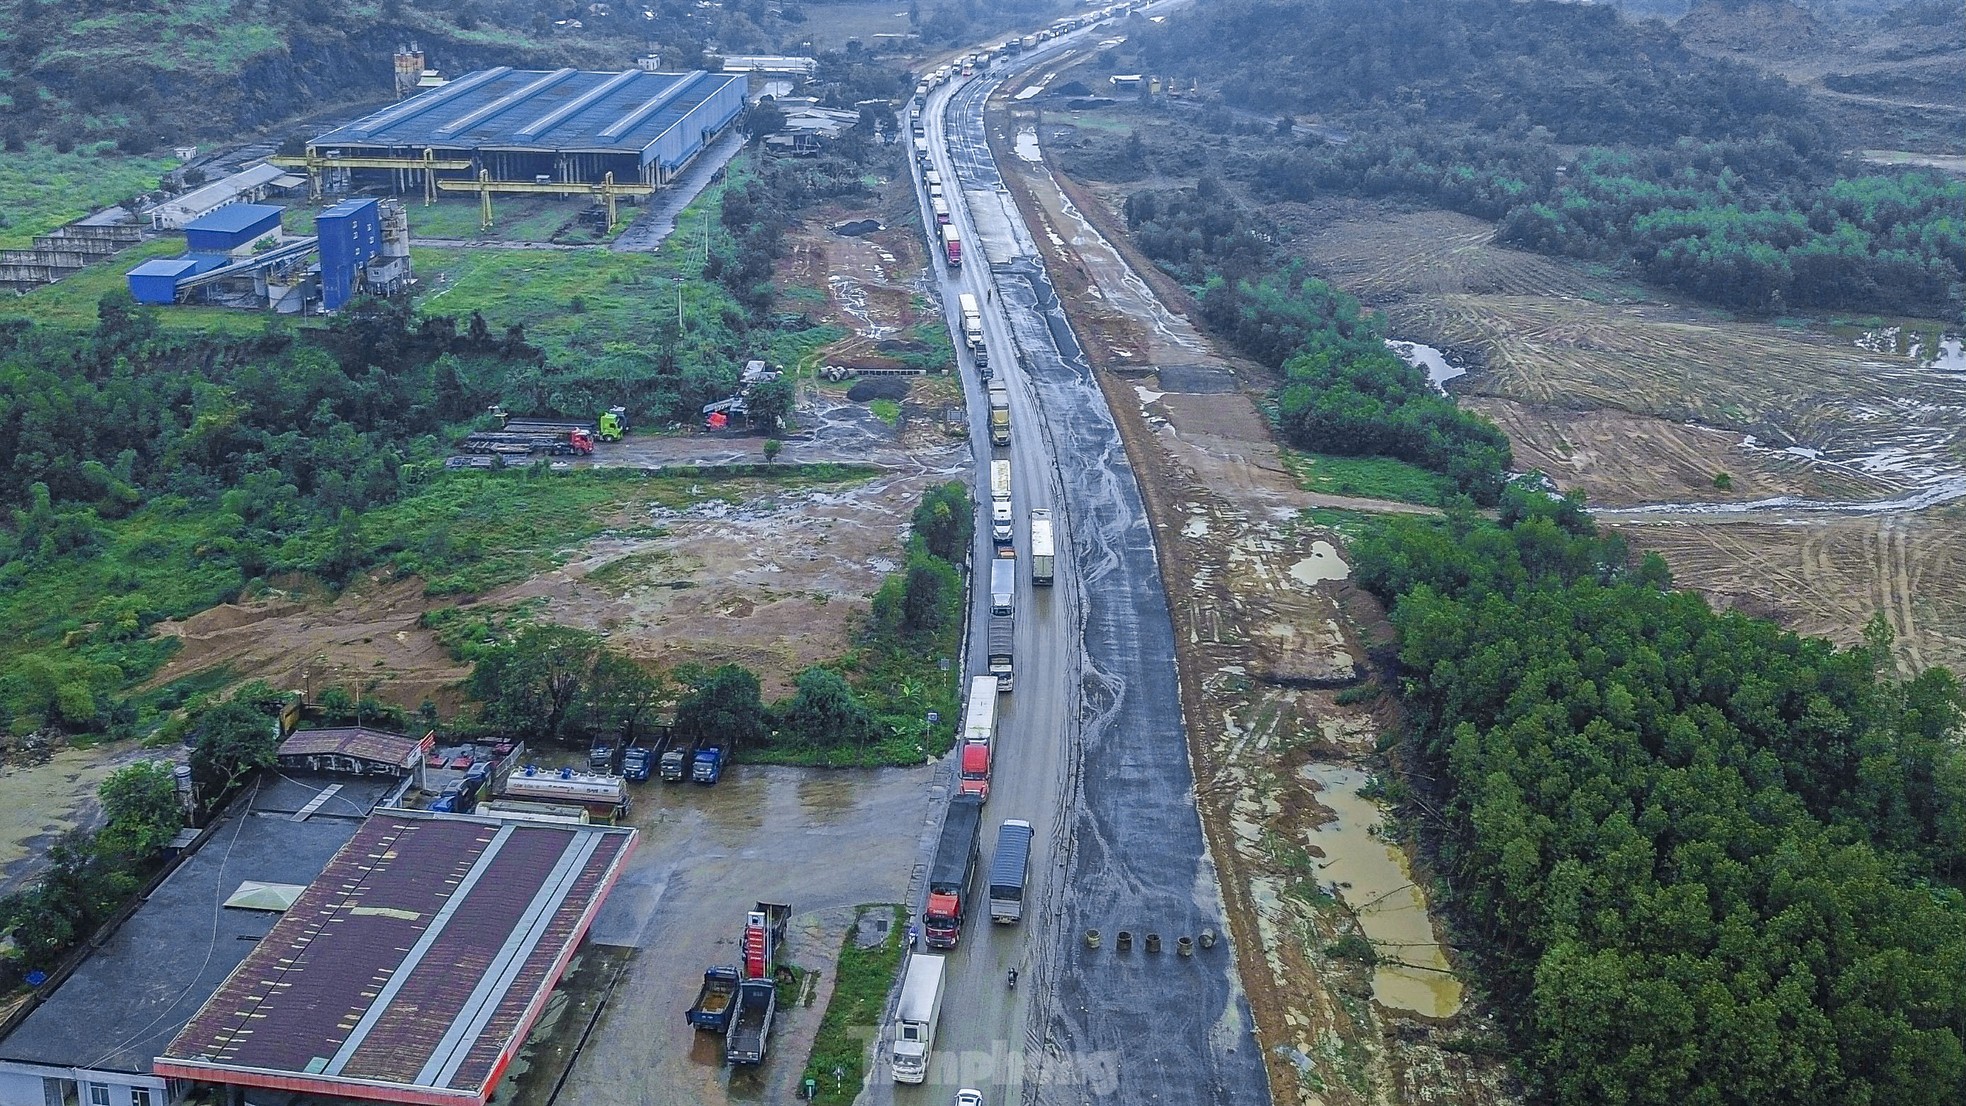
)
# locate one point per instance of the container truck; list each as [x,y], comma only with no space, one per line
[713,1002]
[975,771]
[952,246]
[998,644]
[1042,549]
[952,872]
[915,1017]
[931,178]
[941,208]
[980,713]
[999,415]
[1003,584]
[972,314]
[1007,871]
[1000,502]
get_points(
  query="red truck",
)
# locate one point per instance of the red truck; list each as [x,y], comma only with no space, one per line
[952,247]
[976,771]
[951,873]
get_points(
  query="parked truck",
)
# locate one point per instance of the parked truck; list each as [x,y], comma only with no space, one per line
[975,771]
[1003,584]
[636,761]
[1042,549]
[972,320]
[750,1025]
[915,1019]
[612,424]
[940,206]
[713,1002]
[707,766]
[1000,502]
[999,415]
[514,444]
[952,872]
[676,760]
[1008,868]
[952,246]
[997,638]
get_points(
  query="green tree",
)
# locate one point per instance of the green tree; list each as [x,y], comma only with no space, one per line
[724,705]
[537,682]
[229,741]
[946,521]
[824,713]
[770,404]
[141,810]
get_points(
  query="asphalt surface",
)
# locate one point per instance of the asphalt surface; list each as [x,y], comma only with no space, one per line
[1091,746]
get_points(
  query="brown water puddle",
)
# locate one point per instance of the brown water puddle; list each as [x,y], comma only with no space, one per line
[1374,879]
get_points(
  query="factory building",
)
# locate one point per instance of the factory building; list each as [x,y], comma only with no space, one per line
[246,186]
[566,126]
[238,256]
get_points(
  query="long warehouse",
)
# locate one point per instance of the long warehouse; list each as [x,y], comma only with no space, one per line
[569,125]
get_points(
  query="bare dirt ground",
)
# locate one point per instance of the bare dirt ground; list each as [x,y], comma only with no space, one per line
[49,791]
[1633,398]
[1271,632]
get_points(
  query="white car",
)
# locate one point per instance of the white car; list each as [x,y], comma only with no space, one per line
[968,1097]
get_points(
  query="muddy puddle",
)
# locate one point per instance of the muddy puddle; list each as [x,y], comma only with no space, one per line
[1939,350]
[1439,369]
[1027,146]
[1373,878]
[1323,564]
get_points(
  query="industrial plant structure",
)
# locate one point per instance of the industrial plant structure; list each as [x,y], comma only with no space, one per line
[238,256]
[509,126]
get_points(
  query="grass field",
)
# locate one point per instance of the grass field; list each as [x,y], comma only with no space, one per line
[41,189]
[1370,477]
[853,1014]
[72,303]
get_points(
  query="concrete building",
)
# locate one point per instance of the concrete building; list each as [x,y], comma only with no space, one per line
[355,751]
[93,1036]
[246,186]
[566,126]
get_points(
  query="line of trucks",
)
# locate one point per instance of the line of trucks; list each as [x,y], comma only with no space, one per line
[666,755]
[740,1000]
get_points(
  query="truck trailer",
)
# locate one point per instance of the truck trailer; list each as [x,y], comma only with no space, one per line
[1000,502]
[1003,585]
[1042,548]
[952,873]
[998,644]
[952,246]
[980,711]
[972,320]
[1008,868]
[915,1018]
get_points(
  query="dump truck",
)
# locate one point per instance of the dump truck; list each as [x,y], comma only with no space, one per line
[952,872]
[1008,868]
[676,760]
[714,1000]
[999,415]
[707,766]
[636,761]
[998,644]
[1043,550]
[764,938]
[750,1025]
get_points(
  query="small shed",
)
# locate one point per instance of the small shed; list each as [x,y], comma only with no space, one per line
[155,281]
[232,227]
[353,751]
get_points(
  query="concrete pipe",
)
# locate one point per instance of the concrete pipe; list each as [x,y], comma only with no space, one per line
[1185,946]
[1208,938]
[1125,940]
[1092,938]
[1153,942]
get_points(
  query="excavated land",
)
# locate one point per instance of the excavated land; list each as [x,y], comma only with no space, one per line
[1797,471]
[1269,632]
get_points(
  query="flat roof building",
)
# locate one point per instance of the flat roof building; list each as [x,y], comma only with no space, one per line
[568,125]
[413,967]
[247,185]
[354,750]
[95,1036]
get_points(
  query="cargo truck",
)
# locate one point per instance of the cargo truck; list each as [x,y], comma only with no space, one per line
[941,208]
[1003,584]
[1000,502]
[980,711]
[952,872]
[713,1002]
[972,320]
[577,443]
[1042,549]
[750,1025]
[952,246]
[999,415]
[1007,871]
[998,644]
[915,1018]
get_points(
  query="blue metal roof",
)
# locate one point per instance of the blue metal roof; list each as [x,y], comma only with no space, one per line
[165,267]
[561,110]
[233,218]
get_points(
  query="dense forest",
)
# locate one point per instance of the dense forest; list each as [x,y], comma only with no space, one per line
[1584,134]
[1707,860]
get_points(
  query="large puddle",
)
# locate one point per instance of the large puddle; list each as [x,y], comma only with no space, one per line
[1931,349]
[1027,146]
[1323,564]
[1373,878]
[1439,369]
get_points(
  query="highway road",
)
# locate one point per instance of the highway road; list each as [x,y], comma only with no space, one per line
[1091,747]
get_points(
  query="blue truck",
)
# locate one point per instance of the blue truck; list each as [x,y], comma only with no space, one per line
[708,765]
[715,1000]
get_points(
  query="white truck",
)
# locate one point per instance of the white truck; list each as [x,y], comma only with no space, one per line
[980,712]
[972,321]
[1003,584]
[1042,549]
[915,1017]
[1000,502]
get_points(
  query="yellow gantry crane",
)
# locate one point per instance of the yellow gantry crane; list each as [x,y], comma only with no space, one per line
[317,164]
[484,186]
